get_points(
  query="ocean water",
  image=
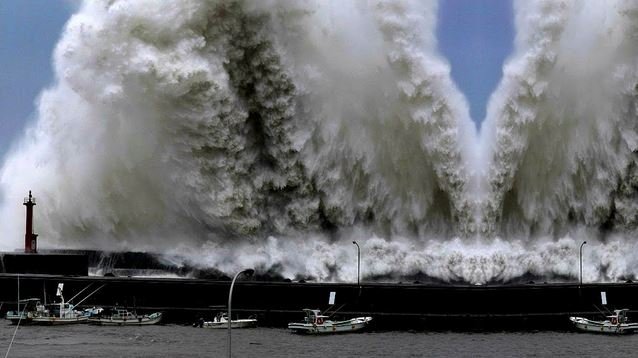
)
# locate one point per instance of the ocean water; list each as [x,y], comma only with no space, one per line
[186,341]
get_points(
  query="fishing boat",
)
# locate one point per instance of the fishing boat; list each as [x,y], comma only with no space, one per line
[61,313]
[316,323]
[57,314]
[24,315]
[616,323]
[221,321]
[124,317]
[36,313]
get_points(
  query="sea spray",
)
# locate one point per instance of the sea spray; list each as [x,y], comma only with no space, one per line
[270,134]
[561,129]
[429,98]
[218,123]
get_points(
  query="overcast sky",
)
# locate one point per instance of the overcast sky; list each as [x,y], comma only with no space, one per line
[474,35]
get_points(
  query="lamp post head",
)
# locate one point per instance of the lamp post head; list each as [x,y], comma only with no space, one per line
[584,242]
[354,242]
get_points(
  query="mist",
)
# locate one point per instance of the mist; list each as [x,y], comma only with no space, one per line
[271,134]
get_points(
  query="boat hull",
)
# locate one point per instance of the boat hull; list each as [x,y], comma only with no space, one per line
[331,327]
[57,321]
[604,327]
[14,318]
[154,318]
[240,323]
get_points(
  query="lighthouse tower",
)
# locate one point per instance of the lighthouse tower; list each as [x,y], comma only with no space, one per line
[30,239]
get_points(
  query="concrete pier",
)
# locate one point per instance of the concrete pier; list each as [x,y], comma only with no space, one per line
[44,263]
[394,306]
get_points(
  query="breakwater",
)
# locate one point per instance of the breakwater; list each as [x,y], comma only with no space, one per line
[394,306]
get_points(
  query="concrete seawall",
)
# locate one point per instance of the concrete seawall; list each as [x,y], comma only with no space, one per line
[394,306]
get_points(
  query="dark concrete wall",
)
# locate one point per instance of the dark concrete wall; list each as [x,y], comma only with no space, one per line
[53,264]
[394,306]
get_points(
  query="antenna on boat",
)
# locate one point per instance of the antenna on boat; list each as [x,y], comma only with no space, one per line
[59,293]
[90,294]
[84,289]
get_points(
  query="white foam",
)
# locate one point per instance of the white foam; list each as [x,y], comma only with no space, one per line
[271,134]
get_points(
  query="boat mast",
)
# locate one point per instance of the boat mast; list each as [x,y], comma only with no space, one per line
[59,293]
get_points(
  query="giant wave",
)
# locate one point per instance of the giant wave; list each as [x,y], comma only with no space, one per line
[272,133]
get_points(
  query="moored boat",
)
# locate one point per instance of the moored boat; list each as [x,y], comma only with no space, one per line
[60,313]
[316,323]
[617,323]
[24,315]
[221,321]
[123,317]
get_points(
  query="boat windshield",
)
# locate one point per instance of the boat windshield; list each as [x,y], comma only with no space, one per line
[622,315]
[312,314]
[123,313]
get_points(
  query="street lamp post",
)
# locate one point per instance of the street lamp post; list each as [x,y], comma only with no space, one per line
[581,262]
[358,265]
[248,272]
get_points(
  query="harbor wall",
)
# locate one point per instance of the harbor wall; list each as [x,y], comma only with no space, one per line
[394,306]
[44,263]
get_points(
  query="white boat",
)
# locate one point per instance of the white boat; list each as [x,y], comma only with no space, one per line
[221,321]
[614,324]
[123,317]
[24,314]
[316,323]
[60,313]
[57,314]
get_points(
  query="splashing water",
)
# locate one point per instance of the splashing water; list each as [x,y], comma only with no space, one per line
[236,133]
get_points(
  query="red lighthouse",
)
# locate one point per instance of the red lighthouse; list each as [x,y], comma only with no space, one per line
[30,239]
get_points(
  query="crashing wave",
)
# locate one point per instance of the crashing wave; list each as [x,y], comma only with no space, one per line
[235,133]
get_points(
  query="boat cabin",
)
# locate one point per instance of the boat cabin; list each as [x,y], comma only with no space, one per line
[221,317]
[123,314]
[314,316]
[62,310]
[29,305]
[619,316]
